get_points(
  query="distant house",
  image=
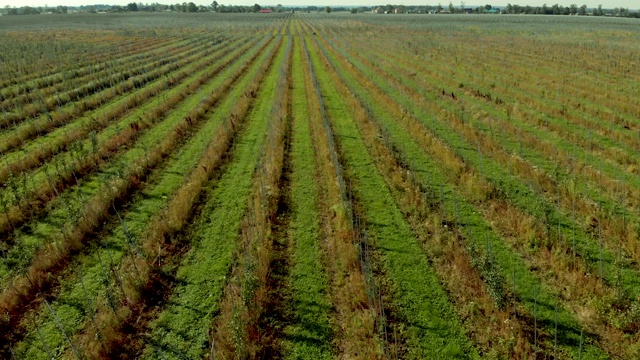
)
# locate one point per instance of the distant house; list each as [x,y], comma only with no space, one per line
[378,10]
[266,11]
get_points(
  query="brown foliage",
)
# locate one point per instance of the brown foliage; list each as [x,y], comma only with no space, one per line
[520,229]
[241,317]
[159,243]
[52,258]
[355,321]
[34,203]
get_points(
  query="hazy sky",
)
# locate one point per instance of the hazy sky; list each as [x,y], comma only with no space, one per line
[631,4]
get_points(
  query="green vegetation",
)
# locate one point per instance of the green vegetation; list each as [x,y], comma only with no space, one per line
[183,327]
[114,246]
[310,335]
[477,233]
[420,299]
[191,184]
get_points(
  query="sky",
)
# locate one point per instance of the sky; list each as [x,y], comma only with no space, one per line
[631,4]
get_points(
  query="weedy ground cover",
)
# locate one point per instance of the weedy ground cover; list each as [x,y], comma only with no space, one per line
[304,185]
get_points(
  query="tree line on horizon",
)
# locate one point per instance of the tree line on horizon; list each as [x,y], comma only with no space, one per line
[191,7]
[555,9]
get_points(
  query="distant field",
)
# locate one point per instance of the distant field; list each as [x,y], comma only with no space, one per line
[319,186]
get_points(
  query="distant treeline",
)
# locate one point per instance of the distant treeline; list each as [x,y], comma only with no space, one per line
[381,9]
[568,10]
[28,10]
[509,9]
[156,7]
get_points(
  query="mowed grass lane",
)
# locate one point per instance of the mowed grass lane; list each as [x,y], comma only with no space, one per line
[309,335]
[141,154]
[70,202]
[112,247]
[182,328]
[356,318]
[432,329]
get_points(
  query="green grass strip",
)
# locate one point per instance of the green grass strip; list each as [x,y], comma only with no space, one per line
[85,145]
[66,208]
[614,270]
[433,329]
[310,335]
[84,120]
[478,232]
[71,305]
[182,329]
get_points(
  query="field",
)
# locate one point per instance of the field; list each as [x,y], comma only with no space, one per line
[319,186]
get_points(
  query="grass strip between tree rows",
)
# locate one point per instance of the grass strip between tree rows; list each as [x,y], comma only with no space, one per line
[87,285]
[70,202]
[433,331]
[119,183]
[182,328]
[310,335]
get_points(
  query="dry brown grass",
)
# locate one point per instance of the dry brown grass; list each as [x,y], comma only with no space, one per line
[34,202]
[494,330]
[239,331]
[354,320]
[161,241]
[55,256]
[521,230]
